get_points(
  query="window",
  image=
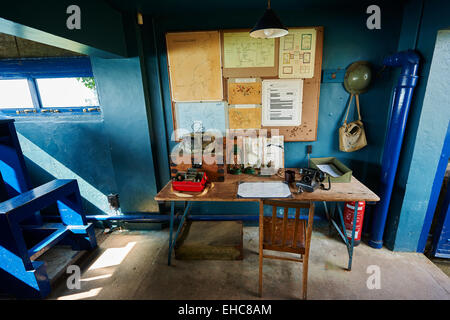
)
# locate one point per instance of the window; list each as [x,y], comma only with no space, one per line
[47,86]
[67,92]
[15,94]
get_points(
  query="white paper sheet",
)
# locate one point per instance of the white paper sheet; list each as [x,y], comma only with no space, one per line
[282,101]
[264,190]
[330,169]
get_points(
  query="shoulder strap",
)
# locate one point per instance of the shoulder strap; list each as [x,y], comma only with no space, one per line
[348,108]
[357,107]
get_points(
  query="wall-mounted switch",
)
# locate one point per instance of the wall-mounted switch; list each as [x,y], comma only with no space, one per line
[113,200]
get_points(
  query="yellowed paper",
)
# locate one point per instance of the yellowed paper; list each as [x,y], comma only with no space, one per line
[244,118]
[195,71]
[244,92]
[297,54]
[242,51]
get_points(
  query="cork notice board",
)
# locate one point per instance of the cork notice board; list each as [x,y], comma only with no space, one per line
[307,130]
[203,67]
[194,61]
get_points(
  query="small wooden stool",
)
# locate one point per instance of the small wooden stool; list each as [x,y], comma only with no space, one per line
[285,235]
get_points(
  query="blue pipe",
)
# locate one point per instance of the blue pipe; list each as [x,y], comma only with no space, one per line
[164,217]
[403,92]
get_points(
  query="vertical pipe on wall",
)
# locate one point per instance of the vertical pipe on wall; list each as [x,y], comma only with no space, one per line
[409,62]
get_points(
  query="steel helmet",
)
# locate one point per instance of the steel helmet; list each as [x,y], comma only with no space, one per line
[357,77]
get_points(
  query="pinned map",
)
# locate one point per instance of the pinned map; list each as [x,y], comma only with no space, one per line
[244,91]
[243,51]
[201,116]
[244,118]
[297,53]
[194,60]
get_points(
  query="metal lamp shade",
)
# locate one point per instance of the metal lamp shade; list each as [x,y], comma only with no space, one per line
[269,26]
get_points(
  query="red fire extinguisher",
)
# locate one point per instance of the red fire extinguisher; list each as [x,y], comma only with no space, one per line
[349,211]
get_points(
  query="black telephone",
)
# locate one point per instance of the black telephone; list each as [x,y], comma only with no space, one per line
[311,180]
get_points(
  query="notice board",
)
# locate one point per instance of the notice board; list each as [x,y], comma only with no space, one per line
[221,66]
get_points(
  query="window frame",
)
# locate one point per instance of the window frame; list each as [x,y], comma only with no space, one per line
[32,69]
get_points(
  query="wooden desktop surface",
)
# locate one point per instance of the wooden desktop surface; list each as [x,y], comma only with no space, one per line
[227,191]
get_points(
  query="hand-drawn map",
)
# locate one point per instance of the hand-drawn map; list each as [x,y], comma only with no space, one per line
[201,116]
[194,60]
[243,51]
[297,53]
[244,118]
[244,91]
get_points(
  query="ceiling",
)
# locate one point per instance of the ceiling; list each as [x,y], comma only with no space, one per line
[14,47]
[166,7]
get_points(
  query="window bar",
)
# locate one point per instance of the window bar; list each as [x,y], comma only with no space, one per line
[35,96]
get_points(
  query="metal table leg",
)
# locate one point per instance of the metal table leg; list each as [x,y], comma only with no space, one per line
[342,233]
[180,225]
[172,213]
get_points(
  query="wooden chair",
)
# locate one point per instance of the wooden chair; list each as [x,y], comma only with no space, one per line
[285,235]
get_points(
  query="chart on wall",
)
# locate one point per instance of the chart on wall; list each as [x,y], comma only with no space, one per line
[243,51]
[297,54]
[194,60]
[247,56]
[201,116]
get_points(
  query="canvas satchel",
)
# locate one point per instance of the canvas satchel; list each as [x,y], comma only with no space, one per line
[351,135]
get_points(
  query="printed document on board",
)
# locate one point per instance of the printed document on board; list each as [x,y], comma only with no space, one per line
[282,102]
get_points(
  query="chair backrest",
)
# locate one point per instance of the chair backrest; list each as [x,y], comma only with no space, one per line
[289,233]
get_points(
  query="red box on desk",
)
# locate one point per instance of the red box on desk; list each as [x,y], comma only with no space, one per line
[189,185]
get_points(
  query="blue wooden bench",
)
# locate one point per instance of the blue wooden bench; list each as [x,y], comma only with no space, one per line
[19,275]
[23,235]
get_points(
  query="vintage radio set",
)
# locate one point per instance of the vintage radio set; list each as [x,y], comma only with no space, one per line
[214,171]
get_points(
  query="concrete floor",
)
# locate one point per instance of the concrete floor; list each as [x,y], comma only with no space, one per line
[133,265]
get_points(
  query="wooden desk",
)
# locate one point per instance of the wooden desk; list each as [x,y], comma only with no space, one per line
[227,191]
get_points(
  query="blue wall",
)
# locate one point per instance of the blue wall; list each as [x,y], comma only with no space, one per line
[121,96]
[70,147]
[346,39]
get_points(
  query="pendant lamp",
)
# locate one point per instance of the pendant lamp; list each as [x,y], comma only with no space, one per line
[269,26]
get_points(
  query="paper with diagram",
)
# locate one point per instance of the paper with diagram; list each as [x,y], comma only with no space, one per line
[194,60]
[201,116]
[297,54]
[243,51]
[282,102]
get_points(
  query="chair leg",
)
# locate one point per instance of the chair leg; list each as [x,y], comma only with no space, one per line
[307,248]
[305,277]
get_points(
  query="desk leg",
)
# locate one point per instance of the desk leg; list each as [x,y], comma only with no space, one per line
[350,251]
[172,240]
[172,213]
[343,235]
